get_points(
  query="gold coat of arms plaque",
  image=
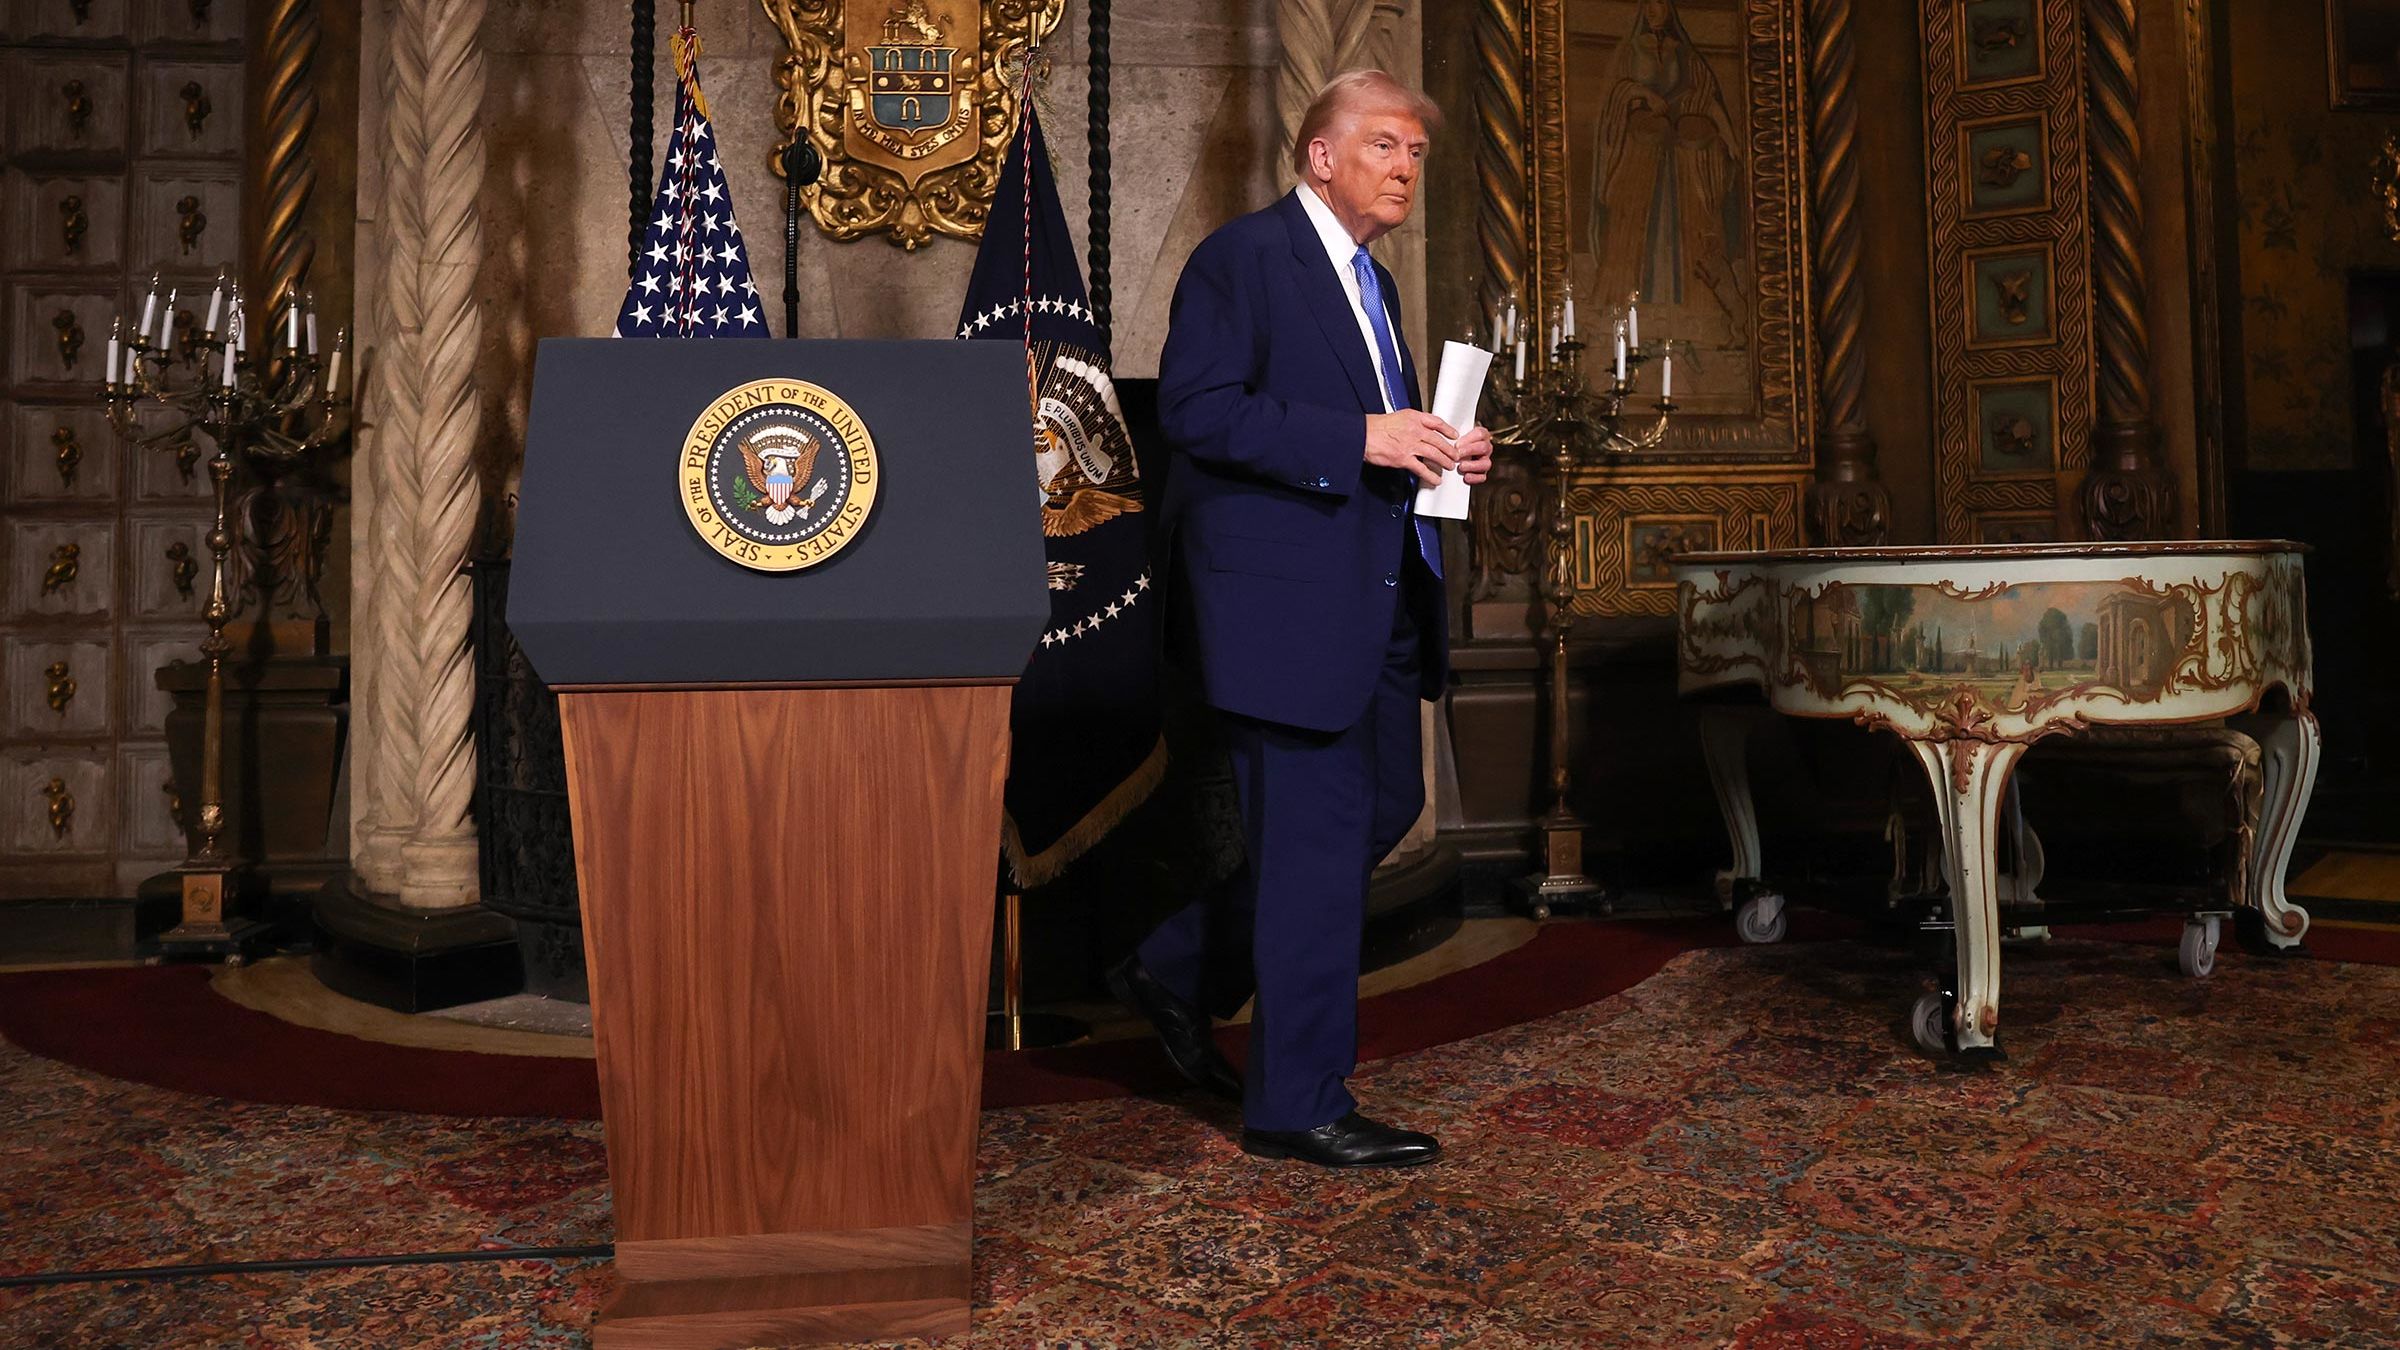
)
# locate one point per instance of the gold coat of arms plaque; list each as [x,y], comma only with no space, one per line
[909,102]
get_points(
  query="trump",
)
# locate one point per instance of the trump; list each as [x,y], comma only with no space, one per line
[1307,603]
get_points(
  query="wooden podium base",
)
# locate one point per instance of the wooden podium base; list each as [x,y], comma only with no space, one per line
[788,924]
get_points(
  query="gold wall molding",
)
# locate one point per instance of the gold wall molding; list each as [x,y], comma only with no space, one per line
[2012,359]
[937,179]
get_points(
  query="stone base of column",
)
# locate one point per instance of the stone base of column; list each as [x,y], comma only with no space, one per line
[440,874]
[374,948]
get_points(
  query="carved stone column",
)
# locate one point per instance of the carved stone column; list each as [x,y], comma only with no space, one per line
[2129,493]
[1848,505]
[426,490]
[1323,38]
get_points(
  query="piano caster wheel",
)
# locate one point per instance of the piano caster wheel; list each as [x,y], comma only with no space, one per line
[1929,1022]
[1761,920]
[2198,952]
[1541,911]
[2250,931]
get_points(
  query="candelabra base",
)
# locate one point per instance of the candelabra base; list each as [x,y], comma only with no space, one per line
[1562,883]
[207,931]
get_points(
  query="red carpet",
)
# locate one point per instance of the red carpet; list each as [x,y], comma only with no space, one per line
[164,1027]
[1743,1151]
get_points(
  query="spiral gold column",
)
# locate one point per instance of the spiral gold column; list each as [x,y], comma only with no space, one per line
[287,112]
[2129,493]
[1848,505]
[1500,145]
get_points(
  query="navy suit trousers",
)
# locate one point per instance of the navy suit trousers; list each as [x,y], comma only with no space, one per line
[1319,811]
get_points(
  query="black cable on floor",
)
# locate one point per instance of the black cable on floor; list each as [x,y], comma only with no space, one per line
[204,1269]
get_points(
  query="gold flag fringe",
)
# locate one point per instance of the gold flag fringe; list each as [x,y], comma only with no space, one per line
[1046,866]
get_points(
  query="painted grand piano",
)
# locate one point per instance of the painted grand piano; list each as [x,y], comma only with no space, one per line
[1971,655]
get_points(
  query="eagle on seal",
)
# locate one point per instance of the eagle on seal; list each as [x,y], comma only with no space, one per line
[779,459]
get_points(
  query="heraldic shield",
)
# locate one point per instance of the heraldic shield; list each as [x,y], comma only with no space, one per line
[785,789]
[910,103]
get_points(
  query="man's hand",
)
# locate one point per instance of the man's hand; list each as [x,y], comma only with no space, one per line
[1475,455]
[1416,441]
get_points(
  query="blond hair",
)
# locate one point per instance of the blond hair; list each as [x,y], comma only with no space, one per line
[1352,91]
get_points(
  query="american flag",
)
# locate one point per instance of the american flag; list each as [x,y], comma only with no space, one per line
[693,276]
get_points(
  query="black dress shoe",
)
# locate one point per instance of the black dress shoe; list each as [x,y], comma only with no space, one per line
[1182,1029]
[1352,1141]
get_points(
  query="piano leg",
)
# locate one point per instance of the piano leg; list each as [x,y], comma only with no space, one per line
[2290,744]
[1725,741]
[1970,785]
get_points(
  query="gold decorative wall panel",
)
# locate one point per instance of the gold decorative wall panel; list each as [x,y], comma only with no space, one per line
[2011,258]
[1626,533]
[1666,158]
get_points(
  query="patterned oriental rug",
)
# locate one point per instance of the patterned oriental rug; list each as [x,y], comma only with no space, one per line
[1741,1149]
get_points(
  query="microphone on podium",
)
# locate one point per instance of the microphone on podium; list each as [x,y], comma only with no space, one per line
[801,166]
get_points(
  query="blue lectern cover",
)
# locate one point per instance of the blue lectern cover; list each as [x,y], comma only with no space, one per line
[940,576]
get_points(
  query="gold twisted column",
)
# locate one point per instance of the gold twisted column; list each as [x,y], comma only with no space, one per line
[1503,523]
[2129,493]
[288,115]
[1848,505]
[1500,145]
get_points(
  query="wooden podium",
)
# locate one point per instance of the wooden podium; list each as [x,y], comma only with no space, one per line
[786,800]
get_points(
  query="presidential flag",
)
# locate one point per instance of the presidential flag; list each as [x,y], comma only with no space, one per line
[1085,719]
[692,279]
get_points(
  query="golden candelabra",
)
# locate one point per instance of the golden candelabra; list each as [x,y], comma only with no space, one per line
[1559,421]
[282,402]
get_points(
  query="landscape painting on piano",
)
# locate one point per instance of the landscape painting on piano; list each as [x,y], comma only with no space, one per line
[2018,646]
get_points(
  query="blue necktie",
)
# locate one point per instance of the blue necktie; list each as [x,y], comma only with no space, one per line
[1370,294]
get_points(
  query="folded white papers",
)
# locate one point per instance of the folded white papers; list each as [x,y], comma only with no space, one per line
[1456,390]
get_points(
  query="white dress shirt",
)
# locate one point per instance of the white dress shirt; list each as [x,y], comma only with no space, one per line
[1340,247]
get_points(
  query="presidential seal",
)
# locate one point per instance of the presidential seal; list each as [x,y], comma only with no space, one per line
[778,475]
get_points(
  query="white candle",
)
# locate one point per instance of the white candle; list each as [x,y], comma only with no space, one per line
[1515,334]
[1666,376]
[149,308]
[232,354]
[216,307]
[1620,356]
[239,324]
[291,324]
[1570,315]
[133,366]
[1499,328]
[1520,363]
[1633,321]
[166,322]
[312,332]
[333,370]
[116,336]
[1554,335]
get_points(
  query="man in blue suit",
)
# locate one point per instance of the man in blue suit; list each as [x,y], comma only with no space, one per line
[1307,600]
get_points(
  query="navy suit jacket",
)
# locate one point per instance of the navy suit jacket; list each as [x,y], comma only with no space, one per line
[1291,551]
